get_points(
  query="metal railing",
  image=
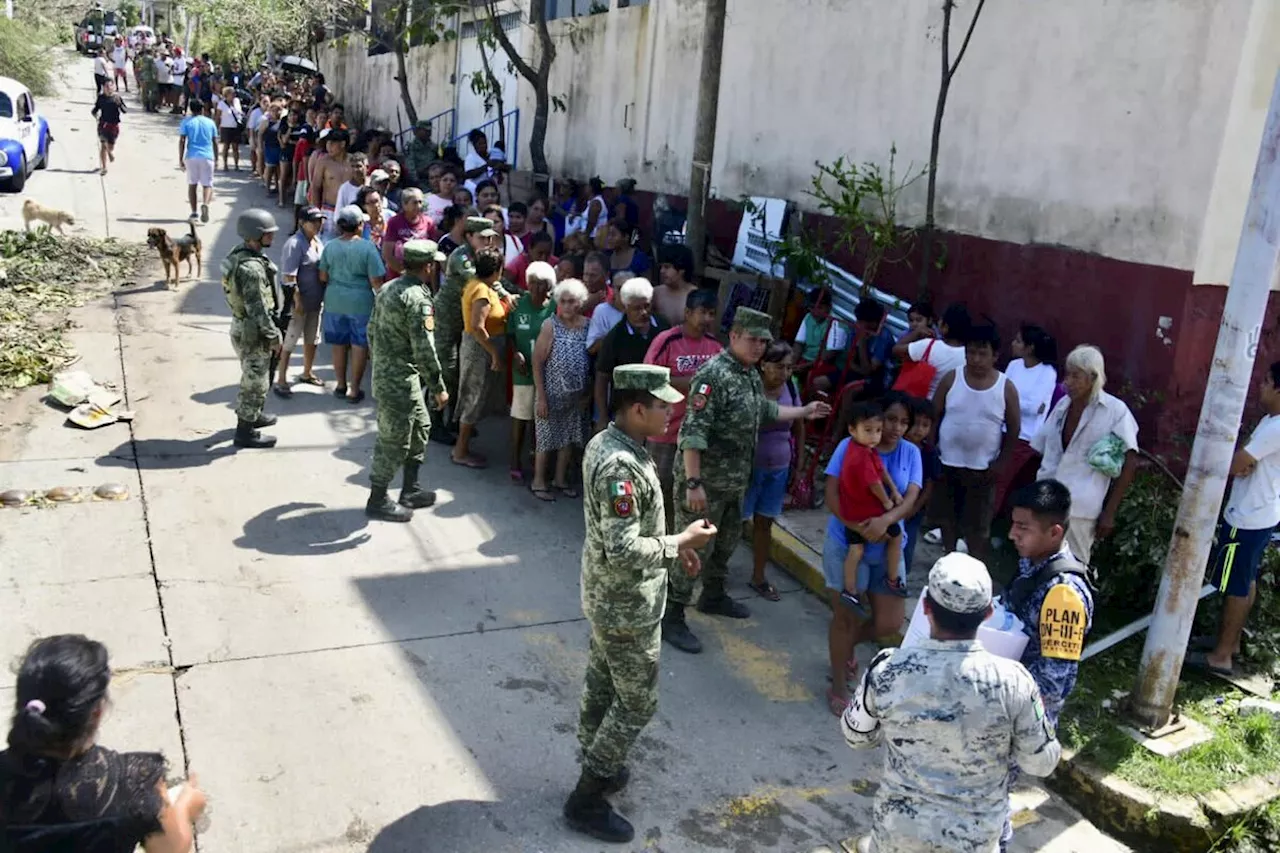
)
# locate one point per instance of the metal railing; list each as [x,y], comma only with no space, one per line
[438,125]
[510,126]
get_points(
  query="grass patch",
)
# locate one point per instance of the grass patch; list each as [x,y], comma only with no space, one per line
[26,54]
[1241,747]
[42,278]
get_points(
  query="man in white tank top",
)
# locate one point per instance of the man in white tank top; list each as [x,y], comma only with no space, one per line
[978,424]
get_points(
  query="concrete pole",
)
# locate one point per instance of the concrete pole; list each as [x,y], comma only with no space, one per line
[1228,384]
[704,134]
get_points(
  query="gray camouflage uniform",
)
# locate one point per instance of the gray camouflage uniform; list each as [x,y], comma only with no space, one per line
[248,282]
[625,562]
[952,717]
[403,353]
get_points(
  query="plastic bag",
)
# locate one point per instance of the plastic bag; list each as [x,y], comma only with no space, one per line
[1107,455]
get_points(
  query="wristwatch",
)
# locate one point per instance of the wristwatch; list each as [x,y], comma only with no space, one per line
[693,483]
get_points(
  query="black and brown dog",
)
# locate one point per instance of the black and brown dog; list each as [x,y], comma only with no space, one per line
[174,250]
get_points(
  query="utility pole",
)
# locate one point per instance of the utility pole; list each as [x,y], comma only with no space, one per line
[704,133]
[1256,259]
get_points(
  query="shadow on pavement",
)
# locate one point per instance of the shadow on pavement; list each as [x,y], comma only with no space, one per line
[454,820]
[168,453]
[304,529]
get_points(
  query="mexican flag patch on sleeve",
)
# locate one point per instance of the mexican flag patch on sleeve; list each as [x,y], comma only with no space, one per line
[623,494]
[698,399]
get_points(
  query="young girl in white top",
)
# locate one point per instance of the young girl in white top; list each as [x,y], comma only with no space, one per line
[1034,373]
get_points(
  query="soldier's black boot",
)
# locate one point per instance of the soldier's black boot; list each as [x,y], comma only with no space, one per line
[411,494]
[588,812]
[675,630]
[248,436]
[617,781]
[382,508]
[714,601]
[265,420]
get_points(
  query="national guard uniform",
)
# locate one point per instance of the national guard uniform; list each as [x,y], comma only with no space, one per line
[418,155]
[403,353]
[1054,602]
[727,406]
[248,281]
[625,562]
[145,67]
[952,717]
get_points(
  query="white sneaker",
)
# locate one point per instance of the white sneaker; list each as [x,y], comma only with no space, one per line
[934,536]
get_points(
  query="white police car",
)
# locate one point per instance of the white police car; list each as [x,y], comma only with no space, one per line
[24,135]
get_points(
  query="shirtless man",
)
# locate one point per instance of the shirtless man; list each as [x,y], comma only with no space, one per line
[675,274]
[328,172]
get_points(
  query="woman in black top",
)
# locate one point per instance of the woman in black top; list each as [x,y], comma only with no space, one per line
[58,790]
[292,131]
[107,110]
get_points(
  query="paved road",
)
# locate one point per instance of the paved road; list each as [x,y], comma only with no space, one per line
[347,686]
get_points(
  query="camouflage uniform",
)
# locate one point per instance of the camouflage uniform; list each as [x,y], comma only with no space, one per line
[403,353]
[952,717]
[418,155]
[248,280]
[727,407]
[625,563]
[1025,597]
[146,71]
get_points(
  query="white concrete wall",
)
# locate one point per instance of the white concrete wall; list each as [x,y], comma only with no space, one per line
[1095,124]
[367,84]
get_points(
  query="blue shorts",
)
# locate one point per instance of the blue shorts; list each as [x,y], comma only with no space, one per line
[766,493]
[1236,558]
[871,575]
[342,330]
[271,156]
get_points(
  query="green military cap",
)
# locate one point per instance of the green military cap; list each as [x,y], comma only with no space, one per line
[960,583]
[422,124]
[646,377]
[421,251]
[753,322]
[478,225]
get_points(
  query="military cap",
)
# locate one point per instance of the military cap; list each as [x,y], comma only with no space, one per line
[753,322]
[422,124]
[422,251]
[479,225]
[960,583]
[646,377]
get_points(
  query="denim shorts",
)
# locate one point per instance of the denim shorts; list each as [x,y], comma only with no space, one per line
[766,493]
[871,576]
[342,330]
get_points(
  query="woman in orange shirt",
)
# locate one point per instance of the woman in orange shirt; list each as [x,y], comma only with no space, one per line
[482,356]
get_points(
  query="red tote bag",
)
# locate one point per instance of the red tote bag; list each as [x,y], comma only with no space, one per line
[915,376]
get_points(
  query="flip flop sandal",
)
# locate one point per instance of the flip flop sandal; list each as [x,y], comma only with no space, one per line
[765,590]
[544,495]
[282,391]
[313,380]
[1200,661]
[469,462]
[340,391]
[836,703]
[357,399]
[567,491]
[517,476]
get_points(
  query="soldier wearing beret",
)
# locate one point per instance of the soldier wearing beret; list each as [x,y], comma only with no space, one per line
[460,269]
[626,559]
[717,445]
[953,717]
[403,351]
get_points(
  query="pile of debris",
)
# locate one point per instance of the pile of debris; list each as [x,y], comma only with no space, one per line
[42,277]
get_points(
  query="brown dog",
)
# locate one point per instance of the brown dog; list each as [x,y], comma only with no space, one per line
[174,250]
[33,211]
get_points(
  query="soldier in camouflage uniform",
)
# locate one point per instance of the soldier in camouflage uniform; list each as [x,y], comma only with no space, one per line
[403,350]
[952,717]
[717,446]
[145,67]
[449,326]
[419,154]
[248,280]
[626,559]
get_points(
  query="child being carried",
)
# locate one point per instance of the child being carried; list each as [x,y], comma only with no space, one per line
[867,492]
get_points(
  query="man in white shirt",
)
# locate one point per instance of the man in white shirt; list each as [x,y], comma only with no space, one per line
[1080,422]
[1251,516]
[179,79]
[164,80]
[101,70]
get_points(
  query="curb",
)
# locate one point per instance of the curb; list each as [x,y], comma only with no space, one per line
[798,560]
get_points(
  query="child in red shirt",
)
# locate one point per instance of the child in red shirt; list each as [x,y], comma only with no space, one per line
[866,492]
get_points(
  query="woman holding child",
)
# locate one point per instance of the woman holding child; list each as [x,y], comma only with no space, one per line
[902,462]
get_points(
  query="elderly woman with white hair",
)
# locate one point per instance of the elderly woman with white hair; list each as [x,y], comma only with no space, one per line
[1089,443]
[560,366]
[626,342]
[524,324]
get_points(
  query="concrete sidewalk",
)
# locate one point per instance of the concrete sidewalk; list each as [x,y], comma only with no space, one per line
[345,686]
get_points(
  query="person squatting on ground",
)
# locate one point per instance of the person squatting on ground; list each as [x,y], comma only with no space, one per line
[627,557]
[59,790]
[953,717]
[405,366]
[248,280]
[866,492]
[713,468]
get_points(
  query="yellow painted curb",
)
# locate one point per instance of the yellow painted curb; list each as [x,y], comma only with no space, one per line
[798,560]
